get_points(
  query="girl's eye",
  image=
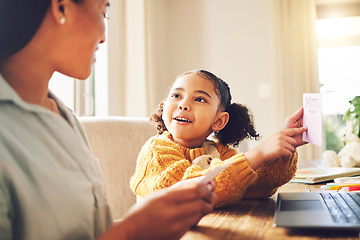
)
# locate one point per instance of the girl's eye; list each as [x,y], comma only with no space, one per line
[200,99]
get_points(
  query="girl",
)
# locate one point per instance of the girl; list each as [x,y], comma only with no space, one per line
[199,104]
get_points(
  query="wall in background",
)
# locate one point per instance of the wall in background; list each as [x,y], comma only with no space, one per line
[232,38]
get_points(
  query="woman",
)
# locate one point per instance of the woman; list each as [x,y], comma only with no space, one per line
[50,185]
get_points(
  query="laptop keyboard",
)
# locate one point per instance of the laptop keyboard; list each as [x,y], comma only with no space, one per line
[344,207]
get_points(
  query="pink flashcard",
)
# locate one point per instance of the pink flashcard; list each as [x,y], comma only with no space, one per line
[312,118]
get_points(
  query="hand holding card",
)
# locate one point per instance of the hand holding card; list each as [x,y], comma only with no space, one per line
[312,118]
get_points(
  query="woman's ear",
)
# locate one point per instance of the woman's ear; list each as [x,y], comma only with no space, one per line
[221,120]
[59,10]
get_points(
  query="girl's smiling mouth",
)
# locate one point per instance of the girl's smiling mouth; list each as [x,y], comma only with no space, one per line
[182,119]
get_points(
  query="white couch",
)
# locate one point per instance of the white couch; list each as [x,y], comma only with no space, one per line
[116,142]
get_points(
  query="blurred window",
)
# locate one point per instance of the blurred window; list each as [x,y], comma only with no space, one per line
[339,73]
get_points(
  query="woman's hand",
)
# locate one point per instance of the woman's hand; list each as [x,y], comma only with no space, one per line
[166,213]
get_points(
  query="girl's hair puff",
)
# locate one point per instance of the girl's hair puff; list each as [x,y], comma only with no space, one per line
[240,125]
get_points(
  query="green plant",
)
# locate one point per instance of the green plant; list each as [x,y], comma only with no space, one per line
[334,130]
[352,115]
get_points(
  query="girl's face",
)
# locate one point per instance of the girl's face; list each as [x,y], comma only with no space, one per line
[191,110]
[85,30]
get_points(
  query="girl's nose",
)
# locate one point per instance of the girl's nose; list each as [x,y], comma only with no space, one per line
[183,106]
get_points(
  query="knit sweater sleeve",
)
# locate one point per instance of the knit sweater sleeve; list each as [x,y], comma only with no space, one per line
[270,176]
[159,165]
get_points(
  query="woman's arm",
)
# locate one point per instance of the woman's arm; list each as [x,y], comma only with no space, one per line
[5,221]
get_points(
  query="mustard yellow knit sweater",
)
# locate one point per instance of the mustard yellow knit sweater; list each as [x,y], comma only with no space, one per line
[162,162]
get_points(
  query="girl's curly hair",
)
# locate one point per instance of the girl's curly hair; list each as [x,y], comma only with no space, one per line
[240,125]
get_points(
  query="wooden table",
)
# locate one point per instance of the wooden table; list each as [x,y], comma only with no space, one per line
[253,219]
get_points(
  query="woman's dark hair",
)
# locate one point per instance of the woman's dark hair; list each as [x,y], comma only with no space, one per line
[19,21]
[240,125]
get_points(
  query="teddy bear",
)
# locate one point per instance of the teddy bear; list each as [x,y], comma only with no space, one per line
[348,156]
[211,153]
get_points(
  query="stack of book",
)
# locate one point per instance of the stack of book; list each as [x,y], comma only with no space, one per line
[316,175]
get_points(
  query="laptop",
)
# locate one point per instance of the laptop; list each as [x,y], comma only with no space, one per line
[318,210]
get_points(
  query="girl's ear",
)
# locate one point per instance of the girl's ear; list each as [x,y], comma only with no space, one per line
[59,10]
[221,121]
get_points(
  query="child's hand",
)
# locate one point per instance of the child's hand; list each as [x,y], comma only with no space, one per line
[280,144]
[296,121]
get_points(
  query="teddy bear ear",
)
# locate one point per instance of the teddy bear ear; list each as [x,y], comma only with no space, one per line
[210,149]
[331,158]
[202,161]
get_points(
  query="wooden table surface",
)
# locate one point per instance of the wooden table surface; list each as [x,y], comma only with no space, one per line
[253,219]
